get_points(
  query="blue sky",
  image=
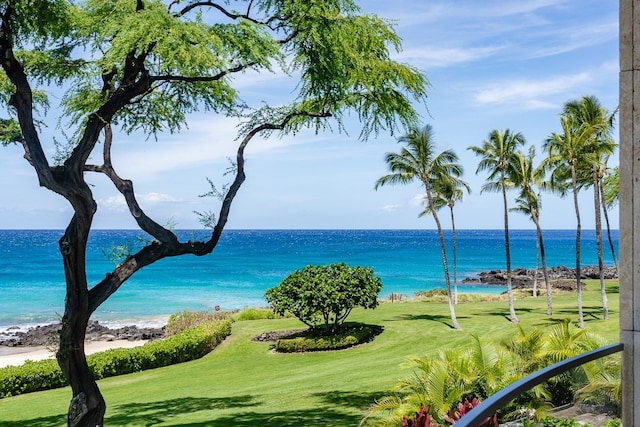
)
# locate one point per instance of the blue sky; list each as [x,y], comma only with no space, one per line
[492,65]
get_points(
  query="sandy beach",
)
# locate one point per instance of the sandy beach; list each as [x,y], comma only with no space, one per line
[15,356]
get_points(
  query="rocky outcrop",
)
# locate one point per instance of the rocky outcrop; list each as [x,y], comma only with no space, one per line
[47,335]
[521,278]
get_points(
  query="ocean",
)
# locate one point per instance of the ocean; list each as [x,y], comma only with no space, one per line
[247,262]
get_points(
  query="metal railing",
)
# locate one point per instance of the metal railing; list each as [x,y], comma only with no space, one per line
[498,400]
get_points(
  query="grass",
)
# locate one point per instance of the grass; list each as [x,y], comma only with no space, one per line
[245,383]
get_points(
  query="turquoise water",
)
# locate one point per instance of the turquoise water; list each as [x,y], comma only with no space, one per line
[247,262]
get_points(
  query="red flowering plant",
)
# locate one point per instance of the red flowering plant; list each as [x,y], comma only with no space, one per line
[464,408]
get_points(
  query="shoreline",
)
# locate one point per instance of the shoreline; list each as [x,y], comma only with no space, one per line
[16,356]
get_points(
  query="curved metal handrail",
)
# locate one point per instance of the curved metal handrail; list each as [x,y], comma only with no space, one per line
[496,401]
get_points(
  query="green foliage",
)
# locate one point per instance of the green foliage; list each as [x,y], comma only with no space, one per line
[187,52]
[191,344]
[480,369]
[347,336]
[441,295]
[325,295]
[184,320]
[603,384]
[257,314]
[559,422]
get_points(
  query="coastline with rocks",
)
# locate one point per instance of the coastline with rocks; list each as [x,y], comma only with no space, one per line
[47,335]
[561,277]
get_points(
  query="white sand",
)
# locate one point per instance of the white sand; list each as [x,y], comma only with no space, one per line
[18,355]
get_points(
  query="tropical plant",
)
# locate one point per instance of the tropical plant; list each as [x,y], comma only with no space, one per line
[497,157]
[603,384]
[325,295]
[418,160]
[525,177]
[144,66]
[443,381]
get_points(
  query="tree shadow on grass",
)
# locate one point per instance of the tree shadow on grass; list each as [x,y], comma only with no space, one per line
[445,320]
[339,408]
[505,312]
[590,313]
[53,421]
[152,413]
[317,417]
[351,400]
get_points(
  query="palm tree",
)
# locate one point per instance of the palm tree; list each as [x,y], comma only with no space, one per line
[447,191]
[569,153]
[588,113]
[528,202]
[526,177]
[417,160]
[563,152]
[609,191]
[497,154]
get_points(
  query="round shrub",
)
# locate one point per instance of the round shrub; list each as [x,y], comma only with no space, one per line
[325,295]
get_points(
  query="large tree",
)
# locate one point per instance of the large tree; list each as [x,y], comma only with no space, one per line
[418,161]
[497,155]
[143,66]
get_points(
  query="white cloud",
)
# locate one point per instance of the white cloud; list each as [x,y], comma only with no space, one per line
[117,203]
[529,93]
[113,203]
[431,56]
[390,208]
[417,200]
[155,198]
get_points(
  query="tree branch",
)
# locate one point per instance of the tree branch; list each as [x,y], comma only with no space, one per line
[158,250]
[22,101]
[220,75]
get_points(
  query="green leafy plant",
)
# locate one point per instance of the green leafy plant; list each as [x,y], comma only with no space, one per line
[323,296]
[257,314]
[179,322]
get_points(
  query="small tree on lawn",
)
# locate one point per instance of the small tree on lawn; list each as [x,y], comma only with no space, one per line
[325,295]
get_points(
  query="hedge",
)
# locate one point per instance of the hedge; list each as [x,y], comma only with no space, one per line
[189,345]
[350,335]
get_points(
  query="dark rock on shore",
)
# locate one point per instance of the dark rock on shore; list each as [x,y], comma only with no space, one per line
[561,277]
[47,335]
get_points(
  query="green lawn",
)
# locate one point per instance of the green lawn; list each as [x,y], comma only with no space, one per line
[243,383]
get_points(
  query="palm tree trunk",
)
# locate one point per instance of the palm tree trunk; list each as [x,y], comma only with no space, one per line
[455,257]
[574,182]
[545,272]
[596,201]
[445,265]
[535,273]
[512,310]
[606,220]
